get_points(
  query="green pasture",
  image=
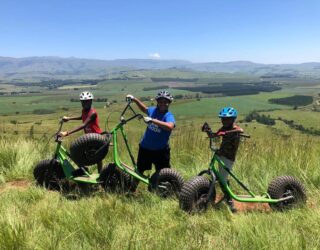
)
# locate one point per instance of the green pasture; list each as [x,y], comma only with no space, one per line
[116,90]
[307,118]
[211,106]
[17,110]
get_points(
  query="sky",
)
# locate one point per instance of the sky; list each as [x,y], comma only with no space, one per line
[263,31]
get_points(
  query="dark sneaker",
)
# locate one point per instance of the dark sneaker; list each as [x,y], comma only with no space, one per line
[231,205]
[134,185]
[233,210]
[79,171]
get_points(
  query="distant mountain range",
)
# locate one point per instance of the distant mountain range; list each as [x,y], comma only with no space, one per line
[44,68]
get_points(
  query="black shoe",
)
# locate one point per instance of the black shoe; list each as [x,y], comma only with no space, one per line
[133,185]
[234,210]
[230,203]
[80,171]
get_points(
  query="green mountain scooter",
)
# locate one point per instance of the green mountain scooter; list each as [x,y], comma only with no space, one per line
[117,176]
[284,192]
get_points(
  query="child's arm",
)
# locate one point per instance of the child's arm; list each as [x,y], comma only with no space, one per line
[221,132]
[169,126]
[68,118]
[91,118]
[236,130]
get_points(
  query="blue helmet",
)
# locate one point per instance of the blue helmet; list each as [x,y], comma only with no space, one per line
[228,112]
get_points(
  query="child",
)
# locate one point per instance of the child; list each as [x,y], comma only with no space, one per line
[89,118]
[229,145]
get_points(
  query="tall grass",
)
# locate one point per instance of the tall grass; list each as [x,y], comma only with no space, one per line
[18,157]
[35,218]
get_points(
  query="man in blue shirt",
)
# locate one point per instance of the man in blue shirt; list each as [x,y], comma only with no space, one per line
[154,145]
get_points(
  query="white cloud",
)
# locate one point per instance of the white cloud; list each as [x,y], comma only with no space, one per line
[155,55]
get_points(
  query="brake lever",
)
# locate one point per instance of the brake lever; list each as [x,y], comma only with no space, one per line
[205,127]
[58,138]
[128,100]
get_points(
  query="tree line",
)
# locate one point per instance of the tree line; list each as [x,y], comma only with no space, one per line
[233,89]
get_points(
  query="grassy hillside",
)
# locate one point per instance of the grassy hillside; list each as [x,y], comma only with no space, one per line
[34,218]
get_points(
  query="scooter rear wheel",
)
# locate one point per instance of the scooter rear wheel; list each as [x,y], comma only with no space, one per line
[89,149]
[49,173]
[285,186]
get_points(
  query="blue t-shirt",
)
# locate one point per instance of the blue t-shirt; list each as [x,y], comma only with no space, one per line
[156,138]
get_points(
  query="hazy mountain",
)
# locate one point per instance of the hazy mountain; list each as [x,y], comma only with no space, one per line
[77,68]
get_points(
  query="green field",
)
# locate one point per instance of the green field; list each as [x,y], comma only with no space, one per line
[34,218]
[307,118]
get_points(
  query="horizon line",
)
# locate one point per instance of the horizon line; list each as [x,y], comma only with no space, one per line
[161,59]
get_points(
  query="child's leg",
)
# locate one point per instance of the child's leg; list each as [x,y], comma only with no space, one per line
[228,164]
[224,174]
[99,166]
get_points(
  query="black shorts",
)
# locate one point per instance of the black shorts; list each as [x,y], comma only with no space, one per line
[146,157]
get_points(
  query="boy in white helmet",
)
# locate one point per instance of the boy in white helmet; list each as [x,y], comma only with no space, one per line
[89,118]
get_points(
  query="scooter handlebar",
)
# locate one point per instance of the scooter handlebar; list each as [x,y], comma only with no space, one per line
[245,135]
[206,128]
[57,137]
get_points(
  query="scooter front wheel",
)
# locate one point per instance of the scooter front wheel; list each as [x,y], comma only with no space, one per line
[166,182]
[194,195]
[115,180]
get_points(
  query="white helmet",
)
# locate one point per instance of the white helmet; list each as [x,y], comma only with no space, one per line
[86,96]
[164,94]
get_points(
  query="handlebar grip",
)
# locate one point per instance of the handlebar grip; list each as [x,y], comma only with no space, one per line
[245,135]
[205,127]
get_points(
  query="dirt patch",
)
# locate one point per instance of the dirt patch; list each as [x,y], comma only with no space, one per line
[17,184]
[252,206]
[245,207]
